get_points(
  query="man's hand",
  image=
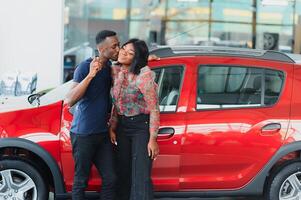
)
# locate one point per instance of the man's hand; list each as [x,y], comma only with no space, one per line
[95,66]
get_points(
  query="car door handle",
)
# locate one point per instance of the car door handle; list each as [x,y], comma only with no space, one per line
[165,133]
[271,128]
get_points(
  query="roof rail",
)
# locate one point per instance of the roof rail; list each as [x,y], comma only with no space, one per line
[171,51]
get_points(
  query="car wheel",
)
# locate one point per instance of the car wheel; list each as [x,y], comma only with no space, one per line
[286,184]
[20,180]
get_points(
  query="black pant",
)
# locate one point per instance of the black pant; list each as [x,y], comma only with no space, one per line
[93,149]
[133,163]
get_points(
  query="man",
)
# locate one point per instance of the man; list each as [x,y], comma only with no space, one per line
[89,129]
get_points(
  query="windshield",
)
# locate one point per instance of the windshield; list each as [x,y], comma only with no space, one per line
[57,94]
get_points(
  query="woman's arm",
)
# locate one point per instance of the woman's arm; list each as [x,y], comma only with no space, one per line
[148,88]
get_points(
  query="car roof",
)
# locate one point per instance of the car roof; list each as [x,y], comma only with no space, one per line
[172,51]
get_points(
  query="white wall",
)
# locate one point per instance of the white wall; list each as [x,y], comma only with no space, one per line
[31,39]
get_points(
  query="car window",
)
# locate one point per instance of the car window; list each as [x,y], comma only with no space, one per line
[273,84]
[169,81]
[157,72]
[233,86]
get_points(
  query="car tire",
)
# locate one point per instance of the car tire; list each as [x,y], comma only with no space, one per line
[282,183]
[21,180]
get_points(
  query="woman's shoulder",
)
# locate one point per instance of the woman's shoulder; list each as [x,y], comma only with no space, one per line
[146,73]
[144,70]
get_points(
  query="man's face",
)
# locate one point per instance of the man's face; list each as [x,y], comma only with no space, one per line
[110,48]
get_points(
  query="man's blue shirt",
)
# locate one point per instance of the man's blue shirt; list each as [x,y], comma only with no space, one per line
[91,111]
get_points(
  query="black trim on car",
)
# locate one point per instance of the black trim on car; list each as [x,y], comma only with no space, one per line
[43,154]
[173,51]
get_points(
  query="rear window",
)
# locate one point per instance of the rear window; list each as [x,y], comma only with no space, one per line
[234,86]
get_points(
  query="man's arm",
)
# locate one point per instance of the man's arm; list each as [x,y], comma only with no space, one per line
[78,90]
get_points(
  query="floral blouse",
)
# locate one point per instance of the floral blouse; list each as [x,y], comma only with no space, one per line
[135,94]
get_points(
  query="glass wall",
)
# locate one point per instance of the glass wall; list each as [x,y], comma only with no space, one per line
[182,22]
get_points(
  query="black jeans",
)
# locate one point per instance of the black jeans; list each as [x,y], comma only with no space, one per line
[93,149]
[133,163]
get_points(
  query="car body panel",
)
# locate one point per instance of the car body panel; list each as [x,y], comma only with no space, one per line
[40,125]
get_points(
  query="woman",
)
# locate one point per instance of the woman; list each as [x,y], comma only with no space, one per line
[136,120]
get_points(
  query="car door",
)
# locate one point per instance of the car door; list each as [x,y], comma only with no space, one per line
[237,118]
[170,76]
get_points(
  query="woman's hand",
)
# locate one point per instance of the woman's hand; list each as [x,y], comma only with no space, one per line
[112,136]
[153,148]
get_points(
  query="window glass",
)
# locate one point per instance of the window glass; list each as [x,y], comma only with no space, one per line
[236,75]
[273,85]
[232,10]
[157,72]
[229,86]
[169,81]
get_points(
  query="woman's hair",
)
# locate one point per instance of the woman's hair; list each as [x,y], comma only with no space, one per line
[141,55]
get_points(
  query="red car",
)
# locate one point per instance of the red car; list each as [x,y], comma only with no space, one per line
[230,126]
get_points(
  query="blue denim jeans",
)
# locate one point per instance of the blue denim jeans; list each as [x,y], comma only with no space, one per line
[133,163]
[93,149]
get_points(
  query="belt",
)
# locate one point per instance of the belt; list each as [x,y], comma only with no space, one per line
[124,117]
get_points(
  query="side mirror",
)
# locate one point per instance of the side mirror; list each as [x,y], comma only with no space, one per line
[34,99]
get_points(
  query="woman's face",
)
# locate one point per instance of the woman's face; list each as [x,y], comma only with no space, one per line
[126,54]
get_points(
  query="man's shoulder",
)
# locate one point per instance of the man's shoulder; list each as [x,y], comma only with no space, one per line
[84,65]
[86,62]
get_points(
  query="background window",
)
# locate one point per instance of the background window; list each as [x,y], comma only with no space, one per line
[227,87]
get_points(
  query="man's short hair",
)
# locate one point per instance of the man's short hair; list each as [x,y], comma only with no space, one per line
[102,35]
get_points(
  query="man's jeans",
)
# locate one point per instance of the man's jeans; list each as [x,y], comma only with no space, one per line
[93,149]
[133,163]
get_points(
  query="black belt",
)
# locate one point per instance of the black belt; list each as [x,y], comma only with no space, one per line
[140,116]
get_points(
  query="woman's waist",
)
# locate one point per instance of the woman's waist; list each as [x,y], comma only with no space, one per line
[140,116]
[131,109]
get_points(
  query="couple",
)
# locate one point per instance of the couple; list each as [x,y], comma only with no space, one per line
[133,125]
